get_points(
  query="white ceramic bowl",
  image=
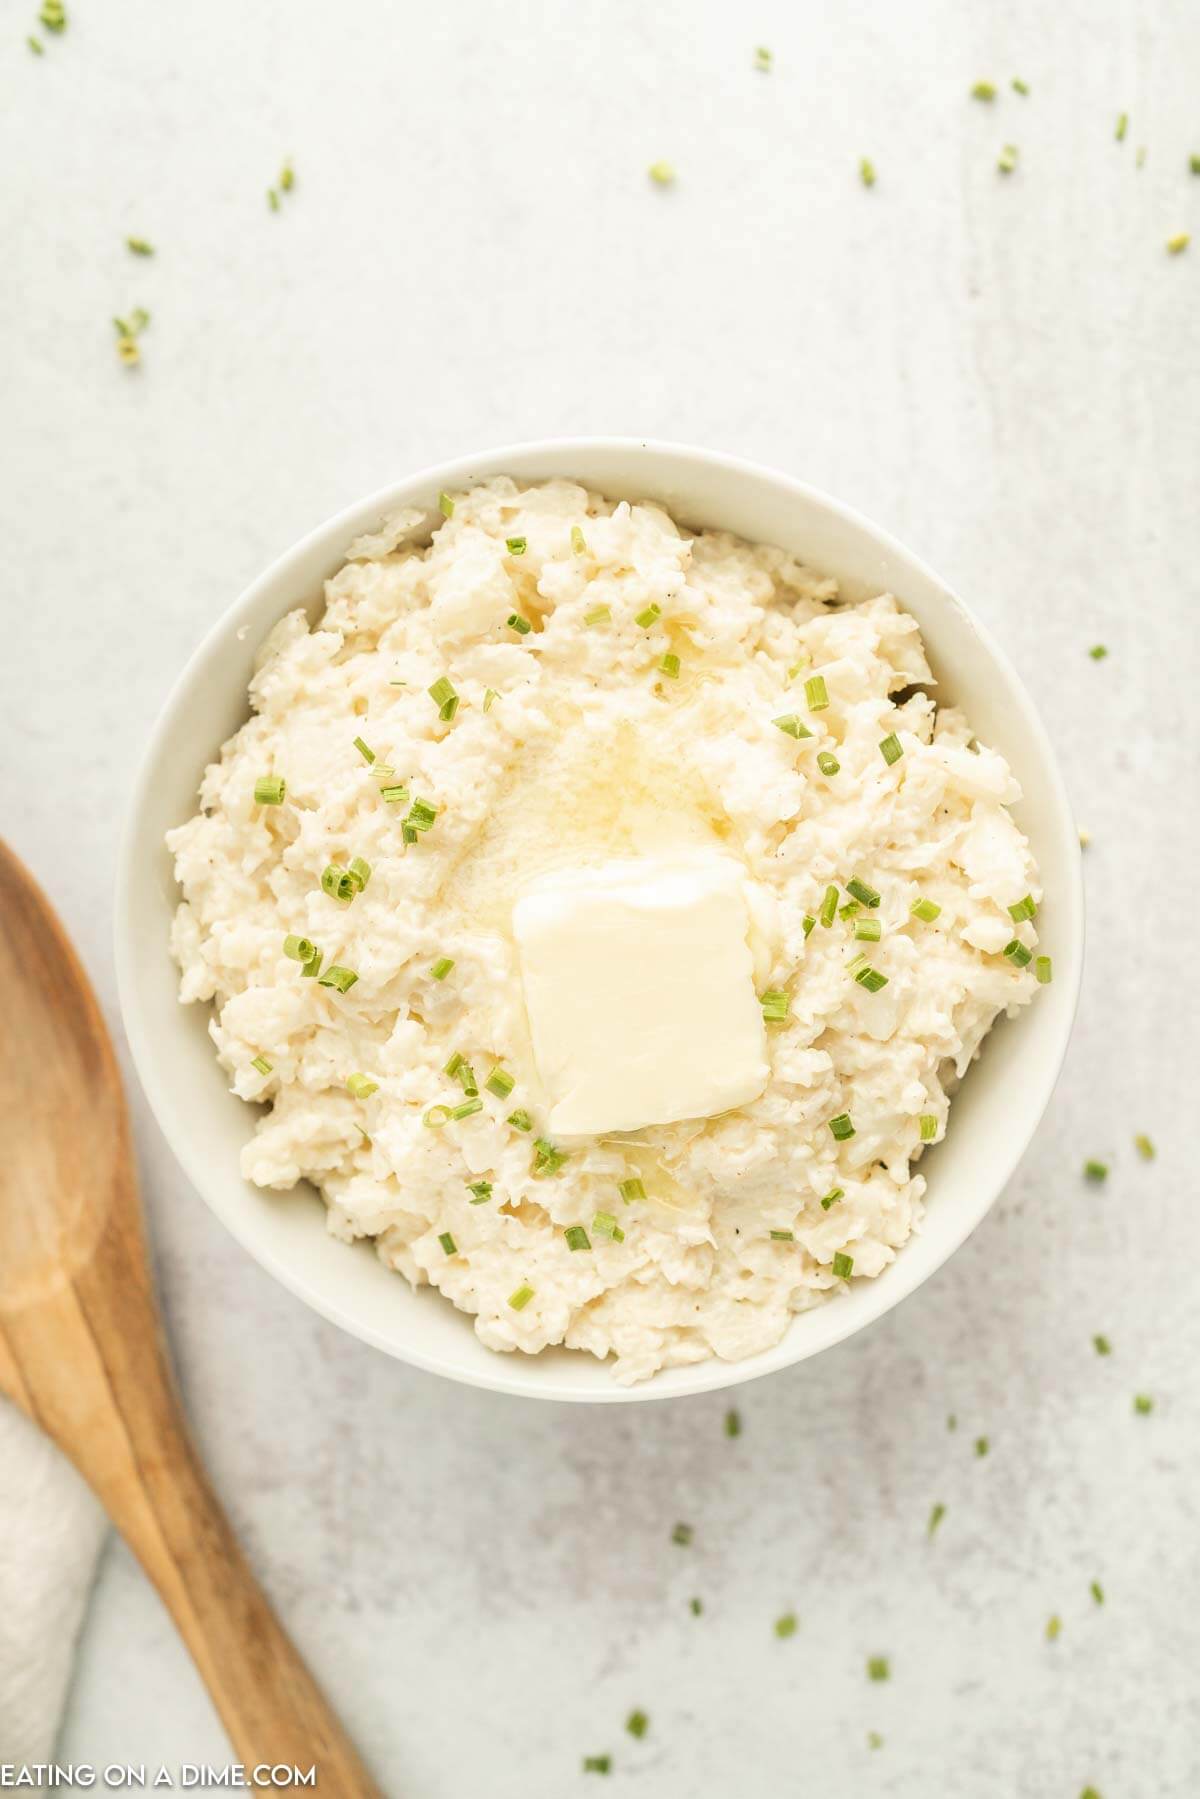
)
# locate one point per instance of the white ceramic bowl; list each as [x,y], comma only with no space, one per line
[994,1116]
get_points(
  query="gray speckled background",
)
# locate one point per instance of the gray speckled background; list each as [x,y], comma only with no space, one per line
[1004,372]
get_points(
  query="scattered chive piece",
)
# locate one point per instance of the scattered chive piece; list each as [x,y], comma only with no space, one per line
[1178,244]
[808,925]
[445,505]
[467,1110]
[631,1189]
[878,1668]
[359,872]
[981,1446]
[841,1127]
[128,331]
[1194,164]
[1006,162]
[313,967]
[466,1077]
[1026,908]
[928,1124]
[1019,86]
[578,540]
[272,199]
[843,1265]
[763,58]
[682,1534]
[269,790]
[361,1085]
[867,930]
[421,816]
[1101,1345]
[851,909]
[520,1121]
[1053,1628]
[891,748]
[444,698]
[926,909]
[521,1298]
[829,906]
[794,670]
[874,1740]
[783,1236]
[605,1225]
[649,615]
[436,1117]
[866,171]
[1144,1147]
[394,796]
[1096,1591]
[1097,653]
[441,968]
[984,90]
[1017,953]
[338,883]
[287,178]
[490,696]
[139,246]
[1043,969]
[262,1065]
[36,45]
[871,979]
[592,1764]
[547,1157]
[695,1606]
[599,615]
[300,949]
[448,1244]
[364,750]
[733,1423]
[1122,127]
[517,623]
[1095,1171]
[577,1237]
[1143,1404]
[500,1082]
[341,978]
[951,1421]
[661,173]
[53,15]
[670,665]
[481,1192]
[516,546]
[827,762]
[775,1005]
[816,696]
[832,1197]
[791,726]
[637,1724]
[786,1626]
[935,1517]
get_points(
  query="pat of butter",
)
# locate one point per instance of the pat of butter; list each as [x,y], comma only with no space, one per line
[639,985]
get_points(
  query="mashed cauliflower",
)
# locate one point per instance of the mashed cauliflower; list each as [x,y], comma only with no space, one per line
[388,1042]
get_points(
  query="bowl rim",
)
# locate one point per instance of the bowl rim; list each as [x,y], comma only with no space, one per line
[508,1373]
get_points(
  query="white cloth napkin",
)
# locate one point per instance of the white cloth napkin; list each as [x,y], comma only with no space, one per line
[51,1529]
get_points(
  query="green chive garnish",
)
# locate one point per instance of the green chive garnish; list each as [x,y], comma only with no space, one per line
[878,1668]
[637,1724]
[631,1189]
[862,892]
[866,171]
[786,1626]
[1026,908]
[444,698]
[867,930]
[467,1109]
[480,1191]
[843,1265]
[490,696]
[682,1534]
[832,1197]
[53,15]
[521,1298]
[516,546]
[577,1237]
[313,967]
[1018,954]
[421,816]
[466,1077]
[517,623]
[605,1225]
[829,906]
[670,665]
[733,1423]
[448,1244]
[578,541]
[1144,1147]
[871,978]
[1053,1628]
[928,1126]
[935,1518]
[139,246]
[1043,970]
[36,45]
[1095,1171]
[592,1764]
[983,90]
[287,178]
[695,1606]
[599,615]
[827,762]
[441,968]
[1101,1345]
[547,1158]
[520,1121]
[1143,1404]
[926,909]
[791,726]
[775,1005]
[783,1236]
[1098,652]
[1019,86]
[364,750]
[661,173]
[269,790]
[300,949]
[395,795]
[1096,1591]
[334,976]
[359,872]
[262,1065]
[841,1127]
[361,1085]
[981,1446]
[891,748]
[1194,163]
[808,924]
[500,1082]
[763,58]
[816,696]
[446,505]
[1122,127]
[338,883]
[650,615]
[1177,244]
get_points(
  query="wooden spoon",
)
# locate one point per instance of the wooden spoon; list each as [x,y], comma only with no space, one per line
[82,1350]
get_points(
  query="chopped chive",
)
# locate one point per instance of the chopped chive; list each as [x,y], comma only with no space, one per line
[500,1082]
[359,872]
[313,967]
[466,1076]
[521,1298]
[928,1126]
[866,171]
[1194,163]
[791,726]
[827,762]
[1017,953]
[449,1246]
[851,909]
[139,246]
[661,173]
[444,698]
[441,968]
[516,546]
[262,1065]
[981,1446]
[1101,1345]
[843,1265]
[1122,127]
[862,892]
[605,1225]
[520,1121]
[1097,653]
[763,58]
[1143,1404]
[682,1534]
[445,505]
[1026,908]
[517,623]
[794,670]
[874,1740]
[631,1189]
[878,1668]
[576,1237]
[364,750]
[436,1117]
[1043,970]
[1019,86]
[951,1421]
[270,790]
[1095,1171]
[300,949]
[592,1764]
[1053,1628]
[867,930]
[341,978]
[53,15]
[467,1109]
[1144,1147]
[787,1625]
[670,665]
[287,178]
[984,90]
[490,696]
[599,615]
[338,883]
[547,1157]
[808,924]
[1006,162]
[36,45]
[1096,1591]
[829,906]
[394,795]
[578,540]
[695,1606]
[775,1005]
[871,979]
[480,1191]
[832,1197]
[935,1517]
[816,695]
[1177,244]
[733,1423]
[890,748]
[361,1085]
[650,615]
[926,909]
[841,1127]
[783,1236]
[421,816]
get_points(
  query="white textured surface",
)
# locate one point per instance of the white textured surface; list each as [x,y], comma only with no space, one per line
[1005,373]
